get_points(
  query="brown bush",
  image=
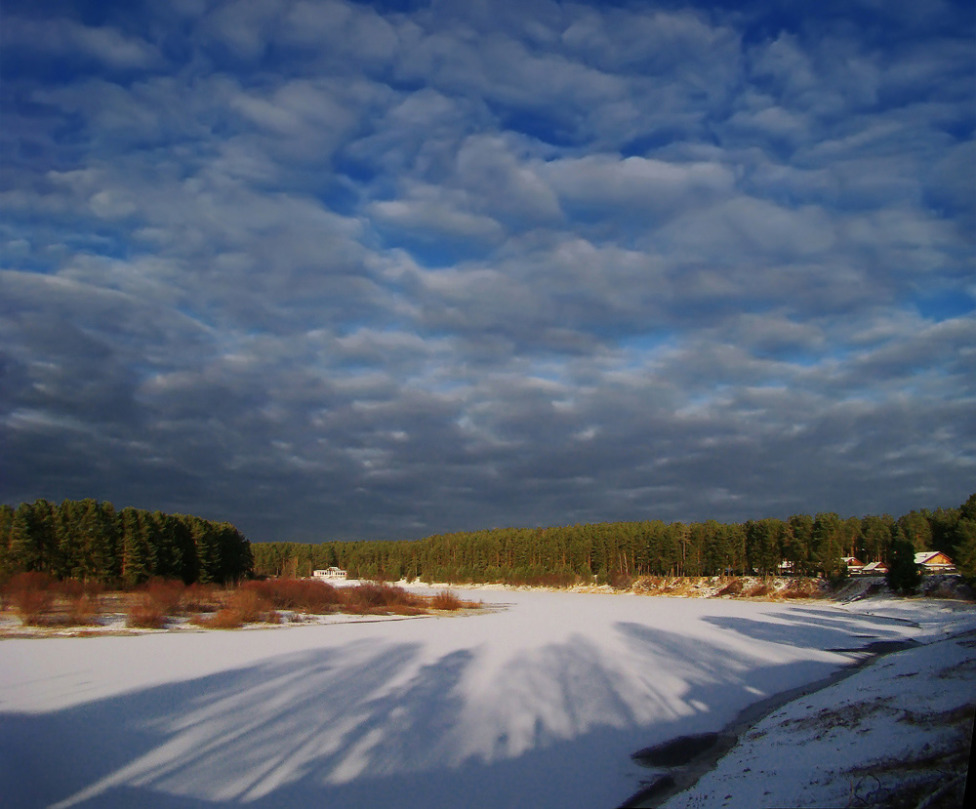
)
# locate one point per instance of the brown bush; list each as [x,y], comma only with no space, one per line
[649,585]
[82,611]
[69,589]
[370,597]
[307,595]
[200,598]
[732,588]
[226,618]
[446,600]
[32,596]
[759,589]
[802,588]
[145,613]
[399,609]
[619,580]
[249,605]
[167,594]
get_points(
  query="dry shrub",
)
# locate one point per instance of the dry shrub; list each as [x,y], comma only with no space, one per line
[32,595]
[226,618]
[402,609]
[69,589]
[370,597]
[166,594]
[446,600]
[620,581]
[666,585]
[802,588]
[145,613]
[249,605]
[732,588]
[200,598]
[308,595]
[759,589]
[82,611]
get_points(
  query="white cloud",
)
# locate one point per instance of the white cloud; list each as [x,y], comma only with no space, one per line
[497,261]
[635,185]
[430,212]
[67,38]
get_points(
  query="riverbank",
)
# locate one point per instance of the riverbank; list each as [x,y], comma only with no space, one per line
[894,730]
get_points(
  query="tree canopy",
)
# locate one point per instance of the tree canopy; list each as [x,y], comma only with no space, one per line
[613,551]
[88,540]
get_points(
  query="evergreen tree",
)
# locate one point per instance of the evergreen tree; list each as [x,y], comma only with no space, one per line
[903,574]
[137,556]
[828,544]
[965,540]
[6,526]
[24,553]
[799,543]
[876,537]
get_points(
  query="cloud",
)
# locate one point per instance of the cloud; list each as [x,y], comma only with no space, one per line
[69,39]
[349,270]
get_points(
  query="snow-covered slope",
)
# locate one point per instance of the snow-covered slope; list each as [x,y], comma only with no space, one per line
[897,732]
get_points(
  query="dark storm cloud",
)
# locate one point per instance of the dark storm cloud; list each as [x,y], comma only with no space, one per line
[336,270]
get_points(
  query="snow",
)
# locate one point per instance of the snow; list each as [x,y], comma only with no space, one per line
[856,742]
[536,702]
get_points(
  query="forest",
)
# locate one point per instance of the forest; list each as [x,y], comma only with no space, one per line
[90,541]
[620,551]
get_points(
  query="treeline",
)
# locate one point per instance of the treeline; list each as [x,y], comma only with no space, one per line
[89,540]
[813,545]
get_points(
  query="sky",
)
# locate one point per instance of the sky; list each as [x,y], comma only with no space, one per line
[350,270]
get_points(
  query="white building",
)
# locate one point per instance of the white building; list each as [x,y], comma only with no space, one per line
[330,573]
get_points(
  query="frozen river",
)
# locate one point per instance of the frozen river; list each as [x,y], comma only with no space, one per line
[539,704]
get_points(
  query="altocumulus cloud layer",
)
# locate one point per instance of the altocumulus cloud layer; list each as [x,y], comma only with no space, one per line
[375,270]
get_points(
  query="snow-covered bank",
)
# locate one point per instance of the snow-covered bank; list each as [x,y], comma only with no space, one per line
[897,732]
[538,705]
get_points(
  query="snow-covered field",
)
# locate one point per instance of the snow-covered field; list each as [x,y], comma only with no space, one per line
[539,704]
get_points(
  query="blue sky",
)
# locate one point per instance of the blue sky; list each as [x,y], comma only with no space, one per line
[378,270]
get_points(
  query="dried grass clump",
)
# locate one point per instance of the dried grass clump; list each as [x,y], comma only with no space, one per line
[759,589]
[83,610]
[316,597]
[249,605]
[802,588]
[672,585]
[646,585]
[32,596]
[620,581]
[244,606]
[732,587]
[446,600]
[222,619]
[200,598]
[167,594]
[145,613]
[370,597]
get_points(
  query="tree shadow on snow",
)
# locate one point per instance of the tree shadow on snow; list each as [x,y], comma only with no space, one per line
[813,629]
[373,723]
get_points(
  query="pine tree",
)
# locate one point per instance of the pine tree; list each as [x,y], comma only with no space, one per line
[903,574]
[137,566]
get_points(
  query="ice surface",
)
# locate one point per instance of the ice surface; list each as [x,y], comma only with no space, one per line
[537,705]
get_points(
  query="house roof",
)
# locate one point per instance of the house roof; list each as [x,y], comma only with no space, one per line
[932,558]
